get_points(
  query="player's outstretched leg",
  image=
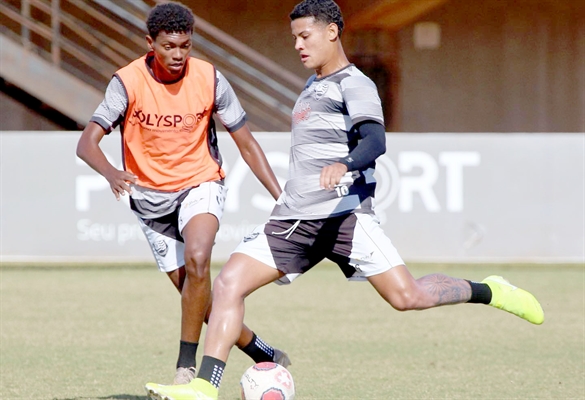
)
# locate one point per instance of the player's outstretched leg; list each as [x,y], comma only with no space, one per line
[512,299]
[399,288]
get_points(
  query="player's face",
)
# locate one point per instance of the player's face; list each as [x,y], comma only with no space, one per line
[171,52]
[314,40]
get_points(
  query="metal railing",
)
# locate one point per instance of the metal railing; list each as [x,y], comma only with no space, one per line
[91,39]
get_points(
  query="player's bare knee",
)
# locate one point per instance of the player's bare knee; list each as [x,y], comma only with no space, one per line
[197,265]
[224,287]
[403,301]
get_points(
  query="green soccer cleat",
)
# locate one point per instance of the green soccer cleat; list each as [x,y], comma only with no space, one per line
[512,299]
[198,389]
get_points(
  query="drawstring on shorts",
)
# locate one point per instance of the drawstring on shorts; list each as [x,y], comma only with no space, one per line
[289,230]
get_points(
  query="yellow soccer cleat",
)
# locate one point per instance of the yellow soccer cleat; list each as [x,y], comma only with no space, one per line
[512,299]
[198,389]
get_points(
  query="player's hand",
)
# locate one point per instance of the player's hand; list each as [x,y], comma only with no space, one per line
[331,175]
[119,182]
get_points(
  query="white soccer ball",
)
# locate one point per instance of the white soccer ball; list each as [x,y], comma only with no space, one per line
[267,381]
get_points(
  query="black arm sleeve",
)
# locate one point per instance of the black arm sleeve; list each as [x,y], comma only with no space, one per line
[371,145]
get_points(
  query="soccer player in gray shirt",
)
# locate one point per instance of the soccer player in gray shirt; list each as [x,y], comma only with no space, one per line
[327,209]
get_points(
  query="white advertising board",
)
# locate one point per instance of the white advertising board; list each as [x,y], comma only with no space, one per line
[440,197]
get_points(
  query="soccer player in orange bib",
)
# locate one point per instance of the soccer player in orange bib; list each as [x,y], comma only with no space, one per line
[164,104]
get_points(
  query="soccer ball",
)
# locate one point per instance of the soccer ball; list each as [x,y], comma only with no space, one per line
[267,381]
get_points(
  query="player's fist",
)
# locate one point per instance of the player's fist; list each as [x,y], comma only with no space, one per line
[331,175]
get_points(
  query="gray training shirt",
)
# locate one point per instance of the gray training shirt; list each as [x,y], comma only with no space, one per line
[322,121]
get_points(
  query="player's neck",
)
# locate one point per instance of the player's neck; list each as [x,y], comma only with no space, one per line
[332,67]
[336,62]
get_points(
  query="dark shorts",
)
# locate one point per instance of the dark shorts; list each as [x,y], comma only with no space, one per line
[355,242]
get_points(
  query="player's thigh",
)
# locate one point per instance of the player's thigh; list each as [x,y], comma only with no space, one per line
[199,217]
[207,198]
[242,275]
[199,234]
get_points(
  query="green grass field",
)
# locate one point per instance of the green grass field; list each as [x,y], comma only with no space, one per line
[102,332]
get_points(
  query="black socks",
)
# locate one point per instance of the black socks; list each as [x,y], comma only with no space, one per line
[211,370]
[187,352]
[258,350]
[480,293]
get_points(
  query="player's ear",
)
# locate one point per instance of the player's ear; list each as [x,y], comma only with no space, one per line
[150,42]
[332,31]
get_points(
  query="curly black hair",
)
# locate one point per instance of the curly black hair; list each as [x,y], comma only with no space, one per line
[326,11]
[169,17]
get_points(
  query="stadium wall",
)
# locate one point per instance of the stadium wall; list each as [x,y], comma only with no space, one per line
[500,65]
[441,197]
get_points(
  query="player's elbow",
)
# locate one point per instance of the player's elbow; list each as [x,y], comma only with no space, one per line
[80,151]
[379,139]
[381,147]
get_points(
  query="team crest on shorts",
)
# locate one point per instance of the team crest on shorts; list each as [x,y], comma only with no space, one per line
[161,247]
[251,237]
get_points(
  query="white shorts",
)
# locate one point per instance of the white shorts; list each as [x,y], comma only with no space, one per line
[355,242]
[164,233]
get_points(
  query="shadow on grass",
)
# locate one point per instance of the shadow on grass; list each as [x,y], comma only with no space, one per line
[112,397]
